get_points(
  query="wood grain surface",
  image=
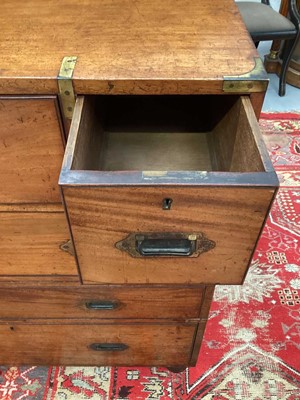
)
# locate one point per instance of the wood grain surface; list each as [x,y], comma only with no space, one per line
[52,344]
[206,303]
[21,281]
[178,303]
[197,343]
[101,216]
[143,46]
[163,133]
[227,122]
[30,244]
[31,150]
[123,47]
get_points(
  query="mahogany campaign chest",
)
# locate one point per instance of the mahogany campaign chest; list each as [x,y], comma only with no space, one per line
[134,177]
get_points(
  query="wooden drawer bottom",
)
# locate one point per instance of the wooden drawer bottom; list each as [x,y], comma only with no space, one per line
[97,344]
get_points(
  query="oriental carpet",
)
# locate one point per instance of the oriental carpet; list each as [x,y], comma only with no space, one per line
[251,347]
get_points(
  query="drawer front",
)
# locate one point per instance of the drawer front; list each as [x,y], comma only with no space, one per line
[30,244]
[31,150]
[120,344]
[101,302]
[229,217]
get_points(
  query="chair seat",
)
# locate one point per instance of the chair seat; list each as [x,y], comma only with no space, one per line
[264,23]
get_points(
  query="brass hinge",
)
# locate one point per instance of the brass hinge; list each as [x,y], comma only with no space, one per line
[255,80]
[65,86]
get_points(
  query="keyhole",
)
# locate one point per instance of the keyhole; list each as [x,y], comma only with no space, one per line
[167,204]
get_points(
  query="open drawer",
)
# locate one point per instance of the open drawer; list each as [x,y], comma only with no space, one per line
[165,189]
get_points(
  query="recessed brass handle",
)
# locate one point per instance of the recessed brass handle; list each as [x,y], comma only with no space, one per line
[165,244]
[165,247]
[102,305]
[108,346]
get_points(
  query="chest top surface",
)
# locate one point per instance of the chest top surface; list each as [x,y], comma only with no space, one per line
[122,45]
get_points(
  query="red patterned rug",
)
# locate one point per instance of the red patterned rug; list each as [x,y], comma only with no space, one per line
[251,348]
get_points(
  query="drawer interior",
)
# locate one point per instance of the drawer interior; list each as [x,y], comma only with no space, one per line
[166,133]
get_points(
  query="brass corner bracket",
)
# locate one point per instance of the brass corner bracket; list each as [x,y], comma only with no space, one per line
[255,80]
[65,86]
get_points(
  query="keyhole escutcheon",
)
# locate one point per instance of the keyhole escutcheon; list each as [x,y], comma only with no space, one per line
[166,204]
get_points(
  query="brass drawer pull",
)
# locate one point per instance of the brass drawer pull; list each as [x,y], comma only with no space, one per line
[108,346]
[102,305]
[166,247]
[165,244]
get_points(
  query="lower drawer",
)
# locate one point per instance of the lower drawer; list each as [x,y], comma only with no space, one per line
[31,244]
[111,344]
[101,302]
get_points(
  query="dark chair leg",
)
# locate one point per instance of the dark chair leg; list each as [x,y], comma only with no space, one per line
[287,53]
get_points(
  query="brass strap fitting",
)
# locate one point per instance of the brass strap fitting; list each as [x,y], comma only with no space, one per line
[65,86]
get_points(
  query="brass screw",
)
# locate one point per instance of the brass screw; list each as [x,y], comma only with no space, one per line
[192,237]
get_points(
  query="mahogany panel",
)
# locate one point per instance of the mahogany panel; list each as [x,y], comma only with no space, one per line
[102,216]
[31,150]
[178,303]
[197,343]
[30,244]
[206,303]
[70,344]
[212,144]
[143,46]
[21,281]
